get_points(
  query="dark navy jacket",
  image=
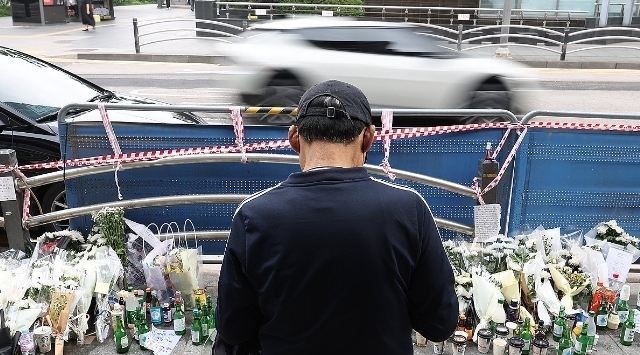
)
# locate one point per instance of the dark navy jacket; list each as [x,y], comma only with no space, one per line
[333,261]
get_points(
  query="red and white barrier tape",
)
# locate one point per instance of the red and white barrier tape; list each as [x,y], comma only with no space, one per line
[386,135]
[238,128]
[387,126]
[113,141]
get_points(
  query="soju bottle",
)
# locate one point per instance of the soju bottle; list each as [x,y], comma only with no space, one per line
[628,330]
[204,324]
[136,321]
[120,337]
[622,307]
[565,346]
[526,336]
[144,333]
[582,342]
[179,326]
[130,307]
[559,325]
[196,329]
[155,311]
[591,330]
[603,314]
[212,316]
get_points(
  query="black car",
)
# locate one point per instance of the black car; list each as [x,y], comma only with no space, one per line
[32,91]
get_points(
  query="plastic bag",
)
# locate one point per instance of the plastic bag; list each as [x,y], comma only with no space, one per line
[154,267]
[184,267]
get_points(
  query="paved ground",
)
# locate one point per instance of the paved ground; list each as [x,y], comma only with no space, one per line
[114,40]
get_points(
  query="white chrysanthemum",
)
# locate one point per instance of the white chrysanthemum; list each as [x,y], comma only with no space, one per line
[613,223]
[602,229]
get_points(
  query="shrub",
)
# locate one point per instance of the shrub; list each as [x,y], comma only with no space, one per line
[5,10]
[336,10]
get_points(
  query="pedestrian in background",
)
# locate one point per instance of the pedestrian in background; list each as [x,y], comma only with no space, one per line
[86,14]
[333,261]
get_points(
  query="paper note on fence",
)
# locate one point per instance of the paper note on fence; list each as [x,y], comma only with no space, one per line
[486,221]
[619,262]
[7,189]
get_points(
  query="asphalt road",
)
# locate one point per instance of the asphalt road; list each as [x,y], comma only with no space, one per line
[182,83]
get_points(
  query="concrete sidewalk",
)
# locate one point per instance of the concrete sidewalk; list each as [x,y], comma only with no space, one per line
[114,40]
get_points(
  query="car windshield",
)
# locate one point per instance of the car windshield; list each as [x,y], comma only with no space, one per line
[37,89]
[373,40]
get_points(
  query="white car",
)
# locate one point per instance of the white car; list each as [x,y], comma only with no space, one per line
[395,64]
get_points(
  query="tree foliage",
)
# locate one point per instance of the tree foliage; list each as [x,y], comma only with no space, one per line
[337,11]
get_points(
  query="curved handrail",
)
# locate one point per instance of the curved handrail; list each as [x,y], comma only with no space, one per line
[600,47]
[512,35]
[600,29]
[186,37]
[155,22]
[439,37]
[190,29]
[582,114]
[590,39]
[511,44]
[428,25]
[513,26]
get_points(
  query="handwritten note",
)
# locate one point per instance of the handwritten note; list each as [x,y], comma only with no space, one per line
[7,189]
[164,341]
[619,262]
[486,221]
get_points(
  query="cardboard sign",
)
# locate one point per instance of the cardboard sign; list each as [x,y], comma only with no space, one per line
[327,13]
[464,17]
[261,12]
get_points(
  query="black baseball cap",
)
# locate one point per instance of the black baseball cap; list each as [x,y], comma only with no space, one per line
[355,103]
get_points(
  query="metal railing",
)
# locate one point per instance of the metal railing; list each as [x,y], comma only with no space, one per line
[137,35]
[426,14]
[15,222]
[464,40]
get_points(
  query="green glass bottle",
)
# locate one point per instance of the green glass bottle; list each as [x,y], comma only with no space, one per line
[526,335]
[622,307]
[179,326]
[559,325]
[120,337]
[136,322]
[212,317]
[196,329]
[591,330]
[602,315]
[204,324]
[628,330]
[144,333]
[565,345]
[582,341]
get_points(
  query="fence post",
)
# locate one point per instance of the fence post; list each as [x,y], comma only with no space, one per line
[459,37]
[563,54]
[244,26]
[383,10]
[136,39]
[12,203]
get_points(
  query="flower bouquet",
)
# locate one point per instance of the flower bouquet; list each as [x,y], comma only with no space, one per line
[611,235]
[59,311]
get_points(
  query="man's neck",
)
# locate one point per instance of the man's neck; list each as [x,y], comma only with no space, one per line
[325,154]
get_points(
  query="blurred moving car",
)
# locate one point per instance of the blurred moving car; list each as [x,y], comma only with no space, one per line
[395,64]
[32,92]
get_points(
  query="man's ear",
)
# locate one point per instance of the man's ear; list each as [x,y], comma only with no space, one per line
[294,138]
[368,137]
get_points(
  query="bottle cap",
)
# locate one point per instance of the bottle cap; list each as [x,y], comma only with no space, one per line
[615,275]
[625,292]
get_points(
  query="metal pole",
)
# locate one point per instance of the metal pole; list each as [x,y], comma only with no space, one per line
[506,20]
[12,203]
[42,21]
[604,13]
[459,46]
[628,13]
[503,50]
[565,41]
[136,38]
